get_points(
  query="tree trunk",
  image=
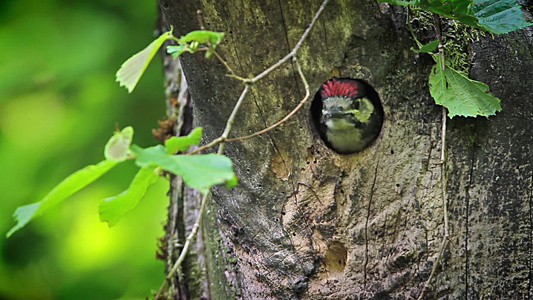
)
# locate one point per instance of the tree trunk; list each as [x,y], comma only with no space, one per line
[306,222]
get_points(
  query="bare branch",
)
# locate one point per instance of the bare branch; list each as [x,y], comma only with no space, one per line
[230,70]
[294,50]
[200,20]
[190,237]
[265,73]
[288,116]
[206,146]
[444,242]
[231,119]
[442,168]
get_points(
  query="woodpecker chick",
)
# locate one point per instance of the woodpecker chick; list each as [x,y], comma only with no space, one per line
[347,114]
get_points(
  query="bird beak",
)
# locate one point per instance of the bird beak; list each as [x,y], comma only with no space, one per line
[334,113]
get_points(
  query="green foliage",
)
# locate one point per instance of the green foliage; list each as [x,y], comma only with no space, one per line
[132,69]
[449,87]
[198,171]
[427,48]
[460,94]
[65,85]
[202,37]
[499,16]
[178,50]
[118,145]
[182,143]
[459,10]
[193,39]
[115,151]
[496,16]
[113,208]
[65,189]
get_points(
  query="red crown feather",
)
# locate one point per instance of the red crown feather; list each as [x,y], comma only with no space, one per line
[337,87]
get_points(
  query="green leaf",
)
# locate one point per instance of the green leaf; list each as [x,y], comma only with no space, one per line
[496,16]
[437,80]
[203,171]
[131,71]
[461,95]
[211,38]
[455,9]
[427,48]
[198,171]
[499,16]
[202,36]
[176,51]
[232,182]
[114,208]
[118,145]
[23,215]
[182,143]
[151,156]
[191,41]
[70,185]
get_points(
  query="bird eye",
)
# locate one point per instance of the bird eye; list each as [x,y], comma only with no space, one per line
[355,104]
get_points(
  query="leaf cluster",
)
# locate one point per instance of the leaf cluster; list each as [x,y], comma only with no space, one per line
[198,171]
[132,69]
[460,94]
[495,16]
[191,42]
[449,87]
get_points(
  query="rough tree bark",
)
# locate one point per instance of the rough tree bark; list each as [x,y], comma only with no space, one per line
[308,223]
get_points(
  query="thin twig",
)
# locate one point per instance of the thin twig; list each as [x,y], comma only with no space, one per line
[444,242]
[176,267]
[190,237]
[442,169]
[434,270]
[268,71]
[436,22]
[288,116]
[200,21]
[294,50]
[231,119]
[202,27]
[223,138]
[209,145]
[230,70]
[411,30]
[232,73]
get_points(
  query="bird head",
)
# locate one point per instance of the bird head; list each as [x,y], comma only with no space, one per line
[348,119]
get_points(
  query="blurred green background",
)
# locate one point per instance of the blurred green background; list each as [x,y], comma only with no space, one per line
[59,104]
